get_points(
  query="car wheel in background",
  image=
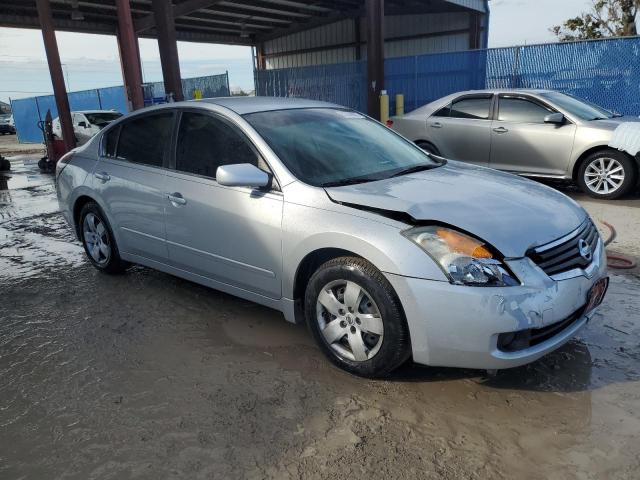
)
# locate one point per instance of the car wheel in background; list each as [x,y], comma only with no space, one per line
[428,147]
[98,240]
[356,317]
[607,174]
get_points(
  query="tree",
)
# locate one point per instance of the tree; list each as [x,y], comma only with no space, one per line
[607,18]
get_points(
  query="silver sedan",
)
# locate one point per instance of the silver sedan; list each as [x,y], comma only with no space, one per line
[536,133]
[386,252]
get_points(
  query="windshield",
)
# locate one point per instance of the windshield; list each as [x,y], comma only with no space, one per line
[330,146]
[578,107]
[103,118]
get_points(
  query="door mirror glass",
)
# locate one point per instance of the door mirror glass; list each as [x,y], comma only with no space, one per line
[242,175]
[556,118]
[83,124]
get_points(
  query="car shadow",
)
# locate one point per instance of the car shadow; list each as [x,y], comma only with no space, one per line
[568,369]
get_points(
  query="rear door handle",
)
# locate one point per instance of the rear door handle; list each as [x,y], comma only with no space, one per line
[436,125]
[500,130]
[177,199]
[103,176]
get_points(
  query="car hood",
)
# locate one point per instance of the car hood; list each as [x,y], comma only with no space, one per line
[509,212]
[612,123]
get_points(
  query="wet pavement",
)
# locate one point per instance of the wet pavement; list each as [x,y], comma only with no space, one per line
[145,375]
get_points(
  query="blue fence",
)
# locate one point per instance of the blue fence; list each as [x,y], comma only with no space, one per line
[605,72]
[27,112]
[341,83]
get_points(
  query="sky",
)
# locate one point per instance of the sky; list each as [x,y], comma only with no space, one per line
[91,61]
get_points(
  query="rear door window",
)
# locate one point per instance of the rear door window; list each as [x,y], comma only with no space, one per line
[110,142]
[443,112]
[145,140]
[474,108]
[206,142]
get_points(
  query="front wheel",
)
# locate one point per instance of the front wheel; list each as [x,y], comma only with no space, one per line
[608,174]
[356,317]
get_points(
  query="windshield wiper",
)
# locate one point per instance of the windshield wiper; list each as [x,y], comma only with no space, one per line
[416,168]
[348,181]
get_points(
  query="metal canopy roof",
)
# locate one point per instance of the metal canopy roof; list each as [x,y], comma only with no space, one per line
[240,22]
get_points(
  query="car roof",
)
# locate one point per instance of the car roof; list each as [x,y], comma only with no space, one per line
[95,111]
[243,105]
[501,90]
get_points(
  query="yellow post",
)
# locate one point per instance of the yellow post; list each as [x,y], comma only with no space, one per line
[197,94]
[384,106]
[399,104]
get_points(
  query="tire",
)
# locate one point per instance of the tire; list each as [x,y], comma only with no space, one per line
[98,240]
[428,147]
[376,327]
[620,170]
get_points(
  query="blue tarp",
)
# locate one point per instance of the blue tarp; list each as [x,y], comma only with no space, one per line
[27,112]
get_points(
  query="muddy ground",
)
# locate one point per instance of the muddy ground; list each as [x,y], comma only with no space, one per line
[148,376]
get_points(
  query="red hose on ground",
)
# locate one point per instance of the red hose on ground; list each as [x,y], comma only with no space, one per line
[614,260]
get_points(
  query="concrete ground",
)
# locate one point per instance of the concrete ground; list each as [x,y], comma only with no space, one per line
[148,376]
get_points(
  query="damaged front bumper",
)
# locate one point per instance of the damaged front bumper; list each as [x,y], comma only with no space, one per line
[459,326]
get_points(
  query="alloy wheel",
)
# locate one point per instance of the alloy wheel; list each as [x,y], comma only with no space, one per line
[604,175]
[96,239]
[349,320]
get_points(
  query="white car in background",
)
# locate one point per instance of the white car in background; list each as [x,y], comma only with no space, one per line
[87,123]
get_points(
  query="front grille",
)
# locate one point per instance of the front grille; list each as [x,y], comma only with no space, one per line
[564,254]
[515,341]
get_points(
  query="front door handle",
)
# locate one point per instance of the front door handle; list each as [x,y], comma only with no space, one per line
[500,130]
[103,176]
[436,125]
[177,199]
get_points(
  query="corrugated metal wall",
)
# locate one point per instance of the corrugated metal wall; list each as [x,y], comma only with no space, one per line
[433,24]
[337,33]
[405,34]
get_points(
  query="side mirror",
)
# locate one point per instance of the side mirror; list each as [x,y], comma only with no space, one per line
[242,175]
[555,118]
[83,124]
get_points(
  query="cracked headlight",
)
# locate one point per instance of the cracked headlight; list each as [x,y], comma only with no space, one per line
[464,259]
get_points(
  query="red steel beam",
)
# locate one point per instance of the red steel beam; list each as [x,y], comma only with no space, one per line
[166,29]
[55,70]
[375,55]
[128,47]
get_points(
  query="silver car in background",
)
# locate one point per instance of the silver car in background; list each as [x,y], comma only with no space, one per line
[536,133]
[318,211]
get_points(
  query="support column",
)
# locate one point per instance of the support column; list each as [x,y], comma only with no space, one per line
[261,62]
[55,70]
[129,60]
[375,55]
[474,30]
[166,29]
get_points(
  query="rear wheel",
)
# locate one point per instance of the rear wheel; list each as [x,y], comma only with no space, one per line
[356,317]
[608,174]
[98,240]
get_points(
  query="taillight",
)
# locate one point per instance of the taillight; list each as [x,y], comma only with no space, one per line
[389,123]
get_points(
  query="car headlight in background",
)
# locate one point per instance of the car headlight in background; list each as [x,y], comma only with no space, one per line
[464,259]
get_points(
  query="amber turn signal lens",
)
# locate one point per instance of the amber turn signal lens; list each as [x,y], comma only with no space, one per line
[464,245]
